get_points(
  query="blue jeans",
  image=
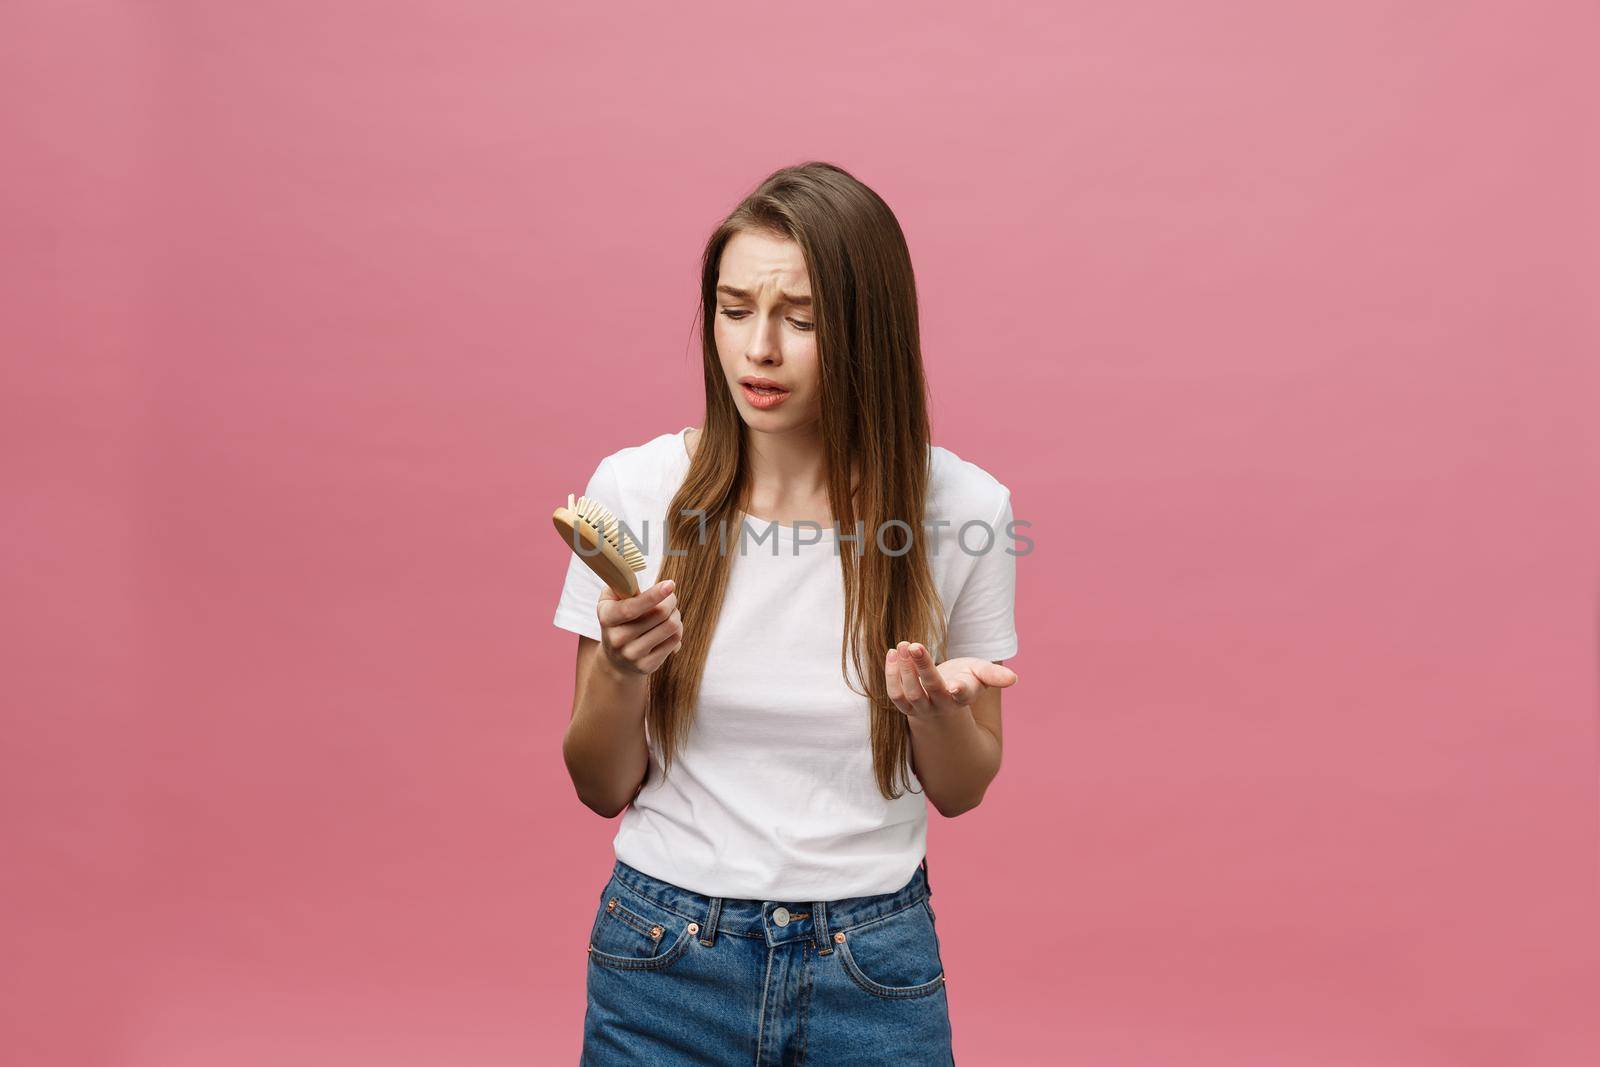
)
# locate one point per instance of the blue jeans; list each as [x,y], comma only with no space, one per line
[676,977]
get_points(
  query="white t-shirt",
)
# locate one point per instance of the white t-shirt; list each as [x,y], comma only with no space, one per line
[774,797]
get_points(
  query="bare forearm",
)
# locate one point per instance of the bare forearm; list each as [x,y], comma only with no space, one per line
[955,759]
[604,747]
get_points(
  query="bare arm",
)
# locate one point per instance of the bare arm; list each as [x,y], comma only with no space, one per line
[953,711]
[957,755]
[604,746]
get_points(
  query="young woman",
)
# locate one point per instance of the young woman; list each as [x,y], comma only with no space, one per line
[814,656]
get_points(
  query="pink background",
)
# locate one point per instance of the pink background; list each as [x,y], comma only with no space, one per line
[1277,320]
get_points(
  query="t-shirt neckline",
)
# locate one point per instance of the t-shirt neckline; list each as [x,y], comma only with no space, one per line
[758,526]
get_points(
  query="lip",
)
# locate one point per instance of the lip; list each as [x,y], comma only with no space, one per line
[765,383]
[761,401]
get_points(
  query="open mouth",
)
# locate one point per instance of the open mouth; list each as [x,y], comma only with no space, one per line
[763,396]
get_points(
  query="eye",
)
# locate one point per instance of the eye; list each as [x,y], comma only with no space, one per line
[738,316]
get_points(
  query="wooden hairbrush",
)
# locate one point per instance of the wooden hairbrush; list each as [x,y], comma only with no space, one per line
[607,548]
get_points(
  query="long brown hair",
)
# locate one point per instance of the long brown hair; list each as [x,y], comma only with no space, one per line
[874,420]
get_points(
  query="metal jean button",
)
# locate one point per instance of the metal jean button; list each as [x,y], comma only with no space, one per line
[781,916]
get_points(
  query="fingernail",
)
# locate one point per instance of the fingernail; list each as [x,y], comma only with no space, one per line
[892,655]
[666,586]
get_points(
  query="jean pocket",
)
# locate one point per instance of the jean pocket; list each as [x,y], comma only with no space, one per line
[632,932]
[896,956]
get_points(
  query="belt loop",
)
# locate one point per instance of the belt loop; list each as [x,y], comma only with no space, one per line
[708,935]
[926,884]
[819,923]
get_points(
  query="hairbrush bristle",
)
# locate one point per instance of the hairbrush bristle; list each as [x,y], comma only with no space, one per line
[600,519]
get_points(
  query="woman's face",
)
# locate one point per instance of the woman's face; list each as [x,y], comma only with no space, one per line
[765,330]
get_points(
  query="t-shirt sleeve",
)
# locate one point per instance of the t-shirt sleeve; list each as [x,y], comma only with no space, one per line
[983,619]
[580,593]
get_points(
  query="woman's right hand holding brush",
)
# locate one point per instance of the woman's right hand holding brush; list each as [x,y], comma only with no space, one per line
[639,632]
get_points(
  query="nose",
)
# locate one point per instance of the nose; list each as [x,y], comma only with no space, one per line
[763,347]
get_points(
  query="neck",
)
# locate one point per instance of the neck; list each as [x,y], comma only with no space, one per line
[788,475]
[787,468]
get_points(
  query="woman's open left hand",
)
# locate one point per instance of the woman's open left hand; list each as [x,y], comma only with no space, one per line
[920,689]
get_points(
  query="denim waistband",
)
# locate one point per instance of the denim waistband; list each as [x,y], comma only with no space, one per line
[814,920]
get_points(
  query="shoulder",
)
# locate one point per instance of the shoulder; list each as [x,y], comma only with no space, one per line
[960,490]
[638,480]
[646,459]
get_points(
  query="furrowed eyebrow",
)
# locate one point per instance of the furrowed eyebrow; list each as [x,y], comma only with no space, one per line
[794,300]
